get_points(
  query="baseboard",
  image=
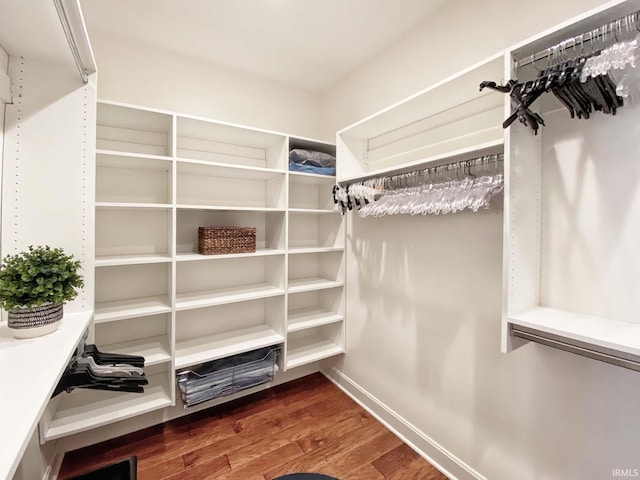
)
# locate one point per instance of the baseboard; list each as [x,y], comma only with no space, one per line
[426,447]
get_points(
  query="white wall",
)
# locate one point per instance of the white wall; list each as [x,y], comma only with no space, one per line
[142,75]
[424,301]
[48,166]
[4,68]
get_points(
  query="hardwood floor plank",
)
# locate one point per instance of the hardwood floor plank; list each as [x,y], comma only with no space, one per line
[161,470]
[215,466]
[318,438]
[343,464]
[307,425]
[395,460]
[259,465]
[332,441]
[366,472]
[293,433]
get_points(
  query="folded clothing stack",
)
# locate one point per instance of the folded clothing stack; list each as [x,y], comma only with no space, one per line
[310,161]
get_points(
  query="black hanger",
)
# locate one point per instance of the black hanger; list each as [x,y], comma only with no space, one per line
[102,358]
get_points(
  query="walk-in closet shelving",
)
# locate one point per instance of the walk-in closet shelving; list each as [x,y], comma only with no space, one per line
[314,308]
[315,230]
[221,143]
[224,187]
[446,122]
[160,176]
[204,284]
[133,130]
[270,231]
[315,273]
[227,329]
[570,258]
[148,336]
[313,344]
[131,291]
[83,410]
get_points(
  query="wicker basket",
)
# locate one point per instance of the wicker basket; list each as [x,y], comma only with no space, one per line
[221,240]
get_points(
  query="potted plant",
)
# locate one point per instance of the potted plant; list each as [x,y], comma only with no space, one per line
[34,284]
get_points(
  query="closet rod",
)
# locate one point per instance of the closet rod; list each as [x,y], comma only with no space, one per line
[612,30]
[439,170]
[576,347]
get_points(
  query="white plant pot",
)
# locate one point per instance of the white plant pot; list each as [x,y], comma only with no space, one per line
[36,321]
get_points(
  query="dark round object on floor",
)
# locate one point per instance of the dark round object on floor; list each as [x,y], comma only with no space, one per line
[305,476]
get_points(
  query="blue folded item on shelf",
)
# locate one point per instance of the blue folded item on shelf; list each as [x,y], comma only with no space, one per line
[296,167]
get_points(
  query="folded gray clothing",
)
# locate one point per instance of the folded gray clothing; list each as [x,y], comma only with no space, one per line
[311,157]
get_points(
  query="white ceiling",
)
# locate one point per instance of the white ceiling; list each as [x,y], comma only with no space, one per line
[310,44]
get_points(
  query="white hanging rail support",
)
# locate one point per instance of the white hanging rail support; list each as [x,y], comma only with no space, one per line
[72,21]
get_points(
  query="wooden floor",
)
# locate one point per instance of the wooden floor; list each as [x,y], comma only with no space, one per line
[307,425]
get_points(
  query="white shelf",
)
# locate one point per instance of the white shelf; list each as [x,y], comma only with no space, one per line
[133,206]
[190,300]
[154,349]
[310,349]
[309,318]
[302,178]
[136,307]
[313,210]
[229,209]
[591,329]
[302,250]
[441,97]
[467,153]
[198,350]
[309,284]
[132,156]
[116,260]
[260,252]
[225,170]
[41,362]
[86,409]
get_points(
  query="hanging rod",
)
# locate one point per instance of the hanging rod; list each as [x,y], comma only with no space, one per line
[573,346]
[611,30]
[439,170]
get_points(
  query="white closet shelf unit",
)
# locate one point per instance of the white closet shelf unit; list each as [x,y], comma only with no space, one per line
[315,327]
[83,410]
[303,250]
[446,122]
[299,285]
[161,175]
[305,318]
[223,208]
[155,350]
[222,296]
[320,211]
[198,350]
[310,348]
[579,307]
[260,252]
[115,260]
[131,308]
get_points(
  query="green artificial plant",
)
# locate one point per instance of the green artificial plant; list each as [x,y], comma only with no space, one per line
[37,276]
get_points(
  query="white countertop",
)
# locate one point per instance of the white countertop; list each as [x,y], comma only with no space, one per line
[29,372]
